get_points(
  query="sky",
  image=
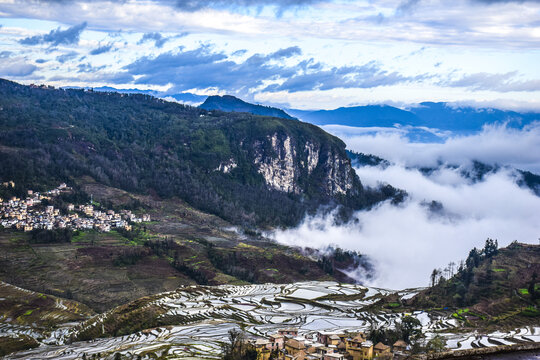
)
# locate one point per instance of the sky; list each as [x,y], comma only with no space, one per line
[305,54]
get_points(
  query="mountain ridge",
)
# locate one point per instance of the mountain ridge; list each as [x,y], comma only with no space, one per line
[229,103]
[436,115]
[250,170]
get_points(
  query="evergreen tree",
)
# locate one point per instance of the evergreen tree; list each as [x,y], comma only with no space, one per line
[490,248]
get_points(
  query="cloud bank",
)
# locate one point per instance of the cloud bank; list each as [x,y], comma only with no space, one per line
[158,39]
[102,49]
[351,51]
[408,241]
[15,67]
[495,144]
[281,70]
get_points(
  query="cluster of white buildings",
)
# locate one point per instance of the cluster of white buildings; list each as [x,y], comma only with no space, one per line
[29,214]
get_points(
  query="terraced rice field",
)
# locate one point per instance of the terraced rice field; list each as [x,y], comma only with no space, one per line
[203,316]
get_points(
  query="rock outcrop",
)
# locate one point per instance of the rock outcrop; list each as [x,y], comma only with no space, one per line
[290,167]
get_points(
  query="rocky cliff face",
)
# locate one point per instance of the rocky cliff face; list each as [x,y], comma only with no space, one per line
[277,165]
[288,166]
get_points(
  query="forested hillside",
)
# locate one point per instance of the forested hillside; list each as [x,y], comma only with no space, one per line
[250,170]
[492,287]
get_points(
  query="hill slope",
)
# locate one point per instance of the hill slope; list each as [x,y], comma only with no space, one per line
[230,103]
[248,169]
[180,246]
[493,287]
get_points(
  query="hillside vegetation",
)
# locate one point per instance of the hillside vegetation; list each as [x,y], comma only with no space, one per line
[210,159]
[180,246]
[493,287]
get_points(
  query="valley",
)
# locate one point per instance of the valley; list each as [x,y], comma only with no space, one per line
[269,180]
[167,232]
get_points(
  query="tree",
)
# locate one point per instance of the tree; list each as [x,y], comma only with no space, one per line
[460,291]
[532,287]
[461,266]
[238,348]
[490,248]
[447,272]
[434,275]
[410,328]
[473,260]
[437,344]
[385,335]
[451,266]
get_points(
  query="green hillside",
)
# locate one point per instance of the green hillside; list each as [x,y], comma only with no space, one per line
[493,288]
[180,246]
[210,159]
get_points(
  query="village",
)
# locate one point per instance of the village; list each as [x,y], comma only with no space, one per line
[30,213]
[286,344]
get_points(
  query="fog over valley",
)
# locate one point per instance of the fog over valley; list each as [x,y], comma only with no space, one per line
[450,208]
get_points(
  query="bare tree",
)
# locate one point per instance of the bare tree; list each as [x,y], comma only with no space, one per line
[238,348]
[451,266]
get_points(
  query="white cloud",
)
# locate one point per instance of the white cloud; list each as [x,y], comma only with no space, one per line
[434,22]
[16,67]
[493,145]
[436,41]
[408,241]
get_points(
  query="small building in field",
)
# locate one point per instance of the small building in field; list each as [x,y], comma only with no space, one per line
[333,356]
[263,348]
[277,341]
[400,345]
[333,340]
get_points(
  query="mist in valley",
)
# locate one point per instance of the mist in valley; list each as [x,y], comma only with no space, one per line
[447,212]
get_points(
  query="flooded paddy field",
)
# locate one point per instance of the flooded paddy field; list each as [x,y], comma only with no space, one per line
[200,317]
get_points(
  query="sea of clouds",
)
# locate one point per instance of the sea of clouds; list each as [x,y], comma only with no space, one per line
[406,242]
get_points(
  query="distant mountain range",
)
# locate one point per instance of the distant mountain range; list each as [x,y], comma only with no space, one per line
[418,120]
[428,114]
[475,172]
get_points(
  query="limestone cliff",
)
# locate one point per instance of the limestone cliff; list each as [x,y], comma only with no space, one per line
[290,166]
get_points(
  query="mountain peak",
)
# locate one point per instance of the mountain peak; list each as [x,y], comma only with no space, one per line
[229,103]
